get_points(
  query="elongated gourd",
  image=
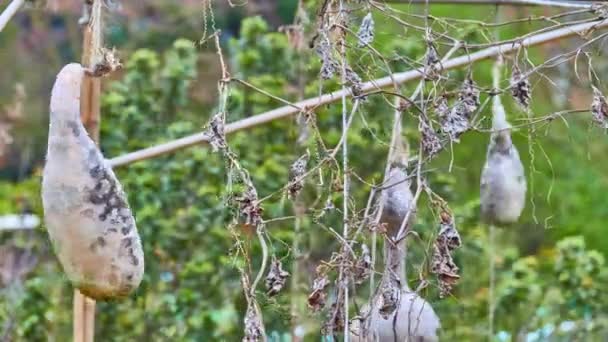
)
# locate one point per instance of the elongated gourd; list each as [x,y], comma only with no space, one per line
[86,212]
[503,181]
[397,199]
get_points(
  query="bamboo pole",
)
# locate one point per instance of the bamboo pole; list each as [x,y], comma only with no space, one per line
[84,307]
[398,78]
[9,12]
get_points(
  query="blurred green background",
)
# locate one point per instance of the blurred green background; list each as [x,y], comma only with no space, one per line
[550,266]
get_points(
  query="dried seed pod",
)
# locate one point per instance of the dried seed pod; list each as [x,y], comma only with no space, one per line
[275,280]
[85,209]
[520,88]
[216,132]
[429,140]
[457,121]
[254,327]
[599,109]
[397,198]
[366,30]
[432,62]
[296,171]
[503,182]
[316,299]
[442,263]
[363,265]
[328,65]
[249,206]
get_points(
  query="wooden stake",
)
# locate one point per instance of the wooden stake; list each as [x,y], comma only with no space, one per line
[84,307]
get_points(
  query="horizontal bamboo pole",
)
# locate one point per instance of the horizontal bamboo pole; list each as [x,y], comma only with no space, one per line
[399,78]
[9,12]
[554,3]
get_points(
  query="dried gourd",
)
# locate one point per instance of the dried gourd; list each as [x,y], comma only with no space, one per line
[398,313]
[86,212]
[503,181]
[397,199]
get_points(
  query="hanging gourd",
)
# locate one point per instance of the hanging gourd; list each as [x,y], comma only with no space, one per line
[397,197]
[395,312]
[86,212]
[503,181]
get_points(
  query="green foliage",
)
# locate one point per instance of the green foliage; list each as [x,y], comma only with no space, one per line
[191,289]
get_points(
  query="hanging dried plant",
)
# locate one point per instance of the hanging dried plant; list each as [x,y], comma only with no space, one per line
[329,66]
[432,62]
[457,121]
[249,207]
[442,263]
[599,109]
[353,79]
[275,280]
[520,87]
[366,30]
[296,171]
[316,299]
[363,265]
[429,140]
[216,132]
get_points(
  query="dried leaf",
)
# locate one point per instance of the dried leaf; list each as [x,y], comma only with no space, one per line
[520,88]
[457,121]
[316,300]
[275,280]
[366,30]
[431,144]
[599,109]
[296,171]
[442,263]
[216,132]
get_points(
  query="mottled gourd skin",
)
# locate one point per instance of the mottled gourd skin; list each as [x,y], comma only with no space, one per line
[86,212]
[503,182]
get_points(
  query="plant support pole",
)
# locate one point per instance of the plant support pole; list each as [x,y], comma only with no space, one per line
[84,307]
[9,12]
[387,81]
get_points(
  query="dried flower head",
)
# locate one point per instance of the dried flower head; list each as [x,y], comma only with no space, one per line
[329,66]
[363,265]
[366,30]
[442,263]
[520,87]
[276,277]
[216,132]
[253,325]
[457,121]
[316,299]
[432,62]
[429,140]
[296,171]
[353,79]
[249,206]
[599,109]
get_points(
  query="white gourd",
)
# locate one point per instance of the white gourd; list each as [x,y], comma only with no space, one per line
[86,212]
[503,180]
[397,197]
[413,320]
